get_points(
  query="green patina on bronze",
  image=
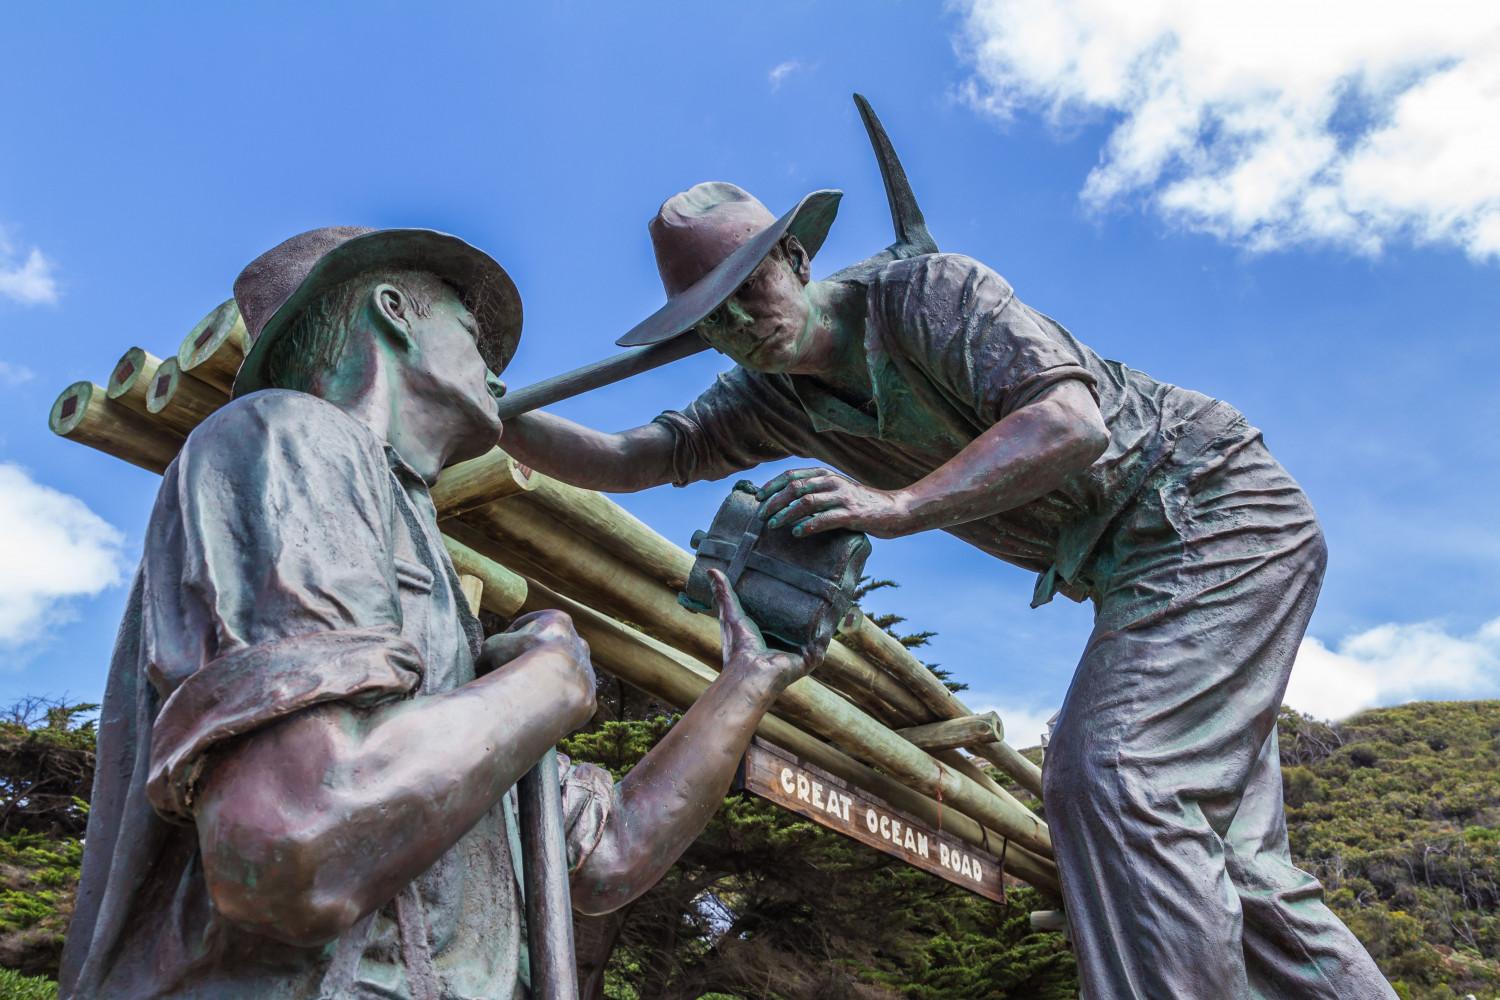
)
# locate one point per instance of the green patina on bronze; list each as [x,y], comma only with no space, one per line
[307,745]
[934,398]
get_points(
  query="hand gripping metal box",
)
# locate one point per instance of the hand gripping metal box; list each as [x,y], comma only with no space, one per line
[795,589]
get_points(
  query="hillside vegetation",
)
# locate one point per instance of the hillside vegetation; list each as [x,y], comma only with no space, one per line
[1395,810]
[46,777]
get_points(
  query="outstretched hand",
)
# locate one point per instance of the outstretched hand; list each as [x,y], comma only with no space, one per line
[813,500]
[745,648]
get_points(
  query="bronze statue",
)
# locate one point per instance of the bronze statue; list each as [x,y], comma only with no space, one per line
[307,746]
[936,399]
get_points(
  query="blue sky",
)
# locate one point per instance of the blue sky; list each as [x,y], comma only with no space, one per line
[1313,247]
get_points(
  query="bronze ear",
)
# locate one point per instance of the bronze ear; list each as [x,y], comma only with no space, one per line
[796,256]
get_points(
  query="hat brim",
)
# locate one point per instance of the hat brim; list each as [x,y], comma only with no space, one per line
[487,291]
[809,222]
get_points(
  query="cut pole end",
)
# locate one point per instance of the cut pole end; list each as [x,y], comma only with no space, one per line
[213,350]
[69,407]
[163,385]
[131,372]
[223,324]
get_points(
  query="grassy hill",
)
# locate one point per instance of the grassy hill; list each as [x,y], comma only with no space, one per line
[1395,810]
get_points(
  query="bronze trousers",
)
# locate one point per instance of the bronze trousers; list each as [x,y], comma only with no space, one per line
[1163,777]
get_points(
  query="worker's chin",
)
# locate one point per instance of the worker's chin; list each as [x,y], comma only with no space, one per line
[773,358]
[482,428]
[473,446]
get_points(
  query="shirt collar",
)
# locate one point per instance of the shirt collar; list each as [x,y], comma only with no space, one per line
[899,413]
[827,412]
[403,471]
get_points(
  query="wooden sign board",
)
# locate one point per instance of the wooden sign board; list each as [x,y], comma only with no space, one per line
[774,774]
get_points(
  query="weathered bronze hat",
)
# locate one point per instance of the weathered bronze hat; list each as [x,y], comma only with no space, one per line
[285,279]
[708,240]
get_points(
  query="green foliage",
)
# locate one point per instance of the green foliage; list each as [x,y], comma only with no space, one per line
[1396,812]
[46,870]
[14,986]
[46,773]
[767,904]
[618,746]
[46,766]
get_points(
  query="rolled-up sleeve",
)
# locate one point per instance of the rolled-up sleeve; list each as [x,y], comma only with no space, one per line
[278,521]
[743,420]
[588,795]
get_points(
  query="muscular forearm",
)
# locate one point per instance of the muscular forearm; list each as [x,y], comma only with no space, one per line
[668,798]
[327,815]
[1033,451]
[623,462]
[1030,453]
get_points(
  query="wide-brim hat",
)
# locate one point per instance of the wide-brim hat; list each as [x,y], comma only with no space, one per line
[709,239]
[284,280]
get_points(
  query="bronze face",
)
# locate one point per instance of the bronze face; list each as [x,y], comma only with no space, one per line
[768,323]
[446,370]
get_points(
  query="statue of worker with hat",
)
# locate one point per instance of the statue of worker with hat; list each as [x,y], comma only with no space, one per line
[307,746]
[935,399]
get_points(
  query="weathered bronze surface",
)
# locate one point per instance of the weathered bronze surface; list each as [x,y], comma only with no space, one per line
[668,335]
[796,589]
[933,398]
[544,853]
[306,746]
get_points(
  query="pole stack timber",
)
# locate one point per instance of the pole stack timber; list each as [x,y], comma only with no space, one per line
[604,522]
[516,534]
[85,413]
[130,379]
[521,541]
[504,592]
[878,647]
[964,731]
[480,481]
[523,535]
[472,587]
[213,350]
[592,520]
[181,401]
[667,673]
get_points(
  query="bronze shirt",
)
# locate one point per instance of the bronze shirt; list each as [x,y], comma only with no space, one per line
[951,351]
[290,560]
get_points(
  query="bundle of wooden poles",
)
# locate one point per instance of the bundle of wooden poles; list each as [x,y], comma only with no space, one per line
[872,714]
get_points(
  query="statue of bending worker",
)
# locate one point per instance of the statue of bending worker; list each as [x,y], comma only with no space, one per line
[935,399]
[307,746]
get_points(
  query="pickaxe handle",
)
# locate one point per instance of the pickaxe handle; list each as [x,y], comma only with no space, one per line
[912,240]
[544,861]
[600,373]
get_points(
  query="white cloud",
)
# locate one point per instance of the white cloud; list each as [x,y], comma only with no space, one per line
[13,375]
[28,281]
[1023,726]
[52,548]
[781,71]
[1270,123]
[1390,664]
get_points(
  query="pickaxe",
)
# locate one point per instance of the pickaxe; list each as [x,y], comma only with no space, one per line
[912,240]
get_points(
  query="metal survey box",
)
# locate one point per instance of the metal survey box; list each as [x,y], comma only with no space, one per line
[795,589]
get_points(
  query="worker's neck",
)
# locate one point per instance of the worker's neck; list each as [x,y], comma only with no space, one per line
[837,355]
[373,389]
